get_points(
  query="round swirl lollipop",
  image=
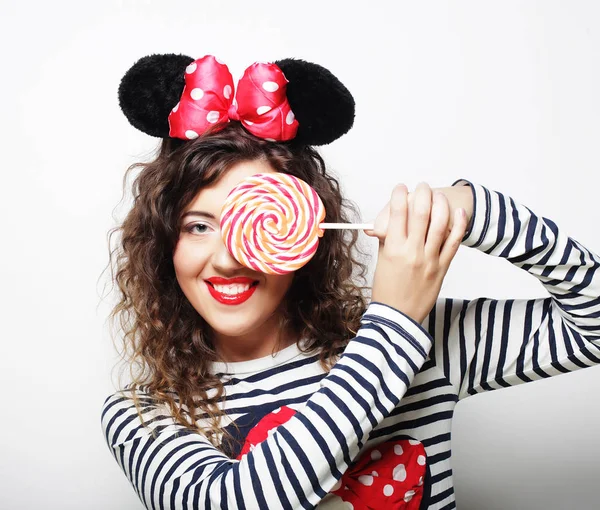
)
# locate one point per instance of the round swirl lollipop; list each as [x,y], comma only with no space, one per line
[271,222]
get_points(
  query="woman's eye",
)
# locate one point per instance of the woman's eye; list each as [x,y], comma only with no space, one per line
[197,228]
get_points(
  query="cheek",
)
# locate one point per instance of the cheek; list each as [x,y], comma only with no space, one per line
[188,259]
[281,283]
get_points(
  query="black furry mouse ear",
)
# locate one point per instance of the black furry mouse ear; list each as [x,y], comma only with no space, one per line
[322,105]
[150,89]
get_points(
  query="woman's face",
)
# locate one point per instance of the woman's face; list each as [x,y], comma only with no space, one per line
[239,304]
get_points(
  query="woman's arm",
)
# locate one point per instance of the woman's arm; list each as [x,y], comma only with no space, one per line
[485,344]
[303,459]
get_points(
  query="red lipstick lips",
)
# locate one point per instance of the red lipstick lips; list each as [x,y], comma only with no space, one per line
[231,299]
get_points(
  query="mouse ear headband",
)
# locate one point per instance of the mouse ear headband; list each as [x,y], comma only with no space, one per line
[178,97]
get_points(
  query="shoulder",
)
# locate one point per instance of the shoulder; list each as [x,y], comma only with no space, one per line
[123,421]
[123,400]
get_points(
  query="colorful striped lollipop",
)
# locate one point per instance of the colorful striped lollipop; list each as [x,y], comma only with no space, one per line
[270,222]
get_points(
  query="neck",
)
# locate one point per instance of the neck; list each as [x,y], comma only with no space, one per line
[269,338]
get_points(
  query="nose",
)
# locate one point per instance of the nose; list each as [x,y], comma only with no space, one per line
[222,259]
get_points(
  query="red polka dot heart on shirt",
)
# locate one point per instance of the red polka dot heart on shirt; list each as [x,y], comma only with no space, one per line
[389,475]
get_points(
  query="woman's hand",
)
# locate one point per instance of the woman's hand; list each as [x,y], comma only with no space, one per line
[458,197]
[417,242]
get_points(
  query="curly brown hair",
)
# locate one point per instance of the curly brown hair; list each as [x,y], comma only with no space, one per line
[163,336]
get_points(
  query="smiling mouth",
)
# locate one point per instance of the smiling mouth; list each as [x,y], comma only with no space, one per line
[233,294]
[232,289]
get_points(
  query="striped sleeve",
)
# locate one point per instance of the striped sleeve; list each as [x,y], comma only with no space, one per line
[487,344]
[303,459]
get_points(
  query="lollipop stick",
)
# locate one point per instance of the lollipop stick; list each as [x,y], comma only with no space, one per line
[353,226]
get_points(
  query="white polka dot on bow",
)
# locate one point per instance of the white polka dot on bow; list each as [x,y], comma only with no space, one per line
[197,94]
[212,117]
[263,109]
[270,86]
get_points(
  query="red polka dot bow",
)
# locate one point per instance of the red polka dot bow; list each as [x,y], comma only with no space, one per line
[388,476]
[260,102]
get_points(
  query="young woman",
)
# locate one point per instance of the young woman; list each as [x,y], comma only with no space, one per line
[254,390]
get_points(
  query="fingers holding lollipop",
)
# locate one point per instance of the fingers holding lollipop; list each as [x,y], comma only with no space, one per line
[273,222]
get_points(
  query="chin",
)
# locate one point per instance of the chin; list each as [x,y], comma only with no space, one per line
[233,329]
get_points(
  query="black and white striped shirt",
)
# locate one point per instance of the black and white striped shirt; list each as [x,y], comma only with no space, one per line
[397,378]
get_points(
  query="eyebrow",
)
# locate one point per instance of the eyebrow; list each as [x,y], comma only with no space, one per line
[202,214]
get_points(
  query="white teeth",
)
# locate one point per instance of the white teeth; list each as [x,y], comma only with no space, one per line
[232,290]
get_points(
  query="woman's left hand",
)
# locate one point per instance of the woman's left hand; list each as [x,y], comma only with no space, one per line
[457,196]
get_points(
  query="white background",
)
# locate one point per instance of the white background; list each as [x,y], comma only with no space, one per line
[502,93]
